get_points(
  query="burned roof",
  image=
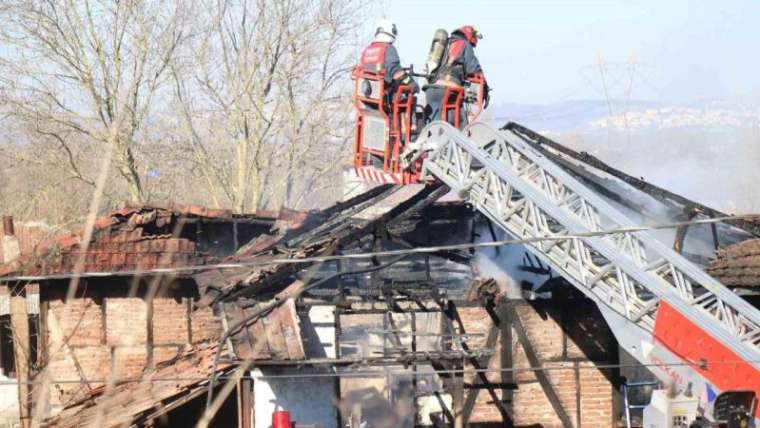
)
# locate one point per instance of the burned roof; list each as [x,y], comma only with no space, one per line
[738,265]
[157,391]
[256,291]
[131,238]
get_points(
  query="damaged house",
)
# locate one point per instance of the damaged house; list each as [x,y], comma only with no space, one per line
[115,324]
[360,314]
[175,302]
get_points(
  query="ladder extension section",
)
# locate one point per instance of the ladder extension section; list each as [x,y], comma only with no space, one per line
[630,273]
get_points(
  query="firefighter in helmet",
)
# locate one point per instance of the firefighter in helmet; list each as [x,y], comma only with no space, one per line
[381,55]
[458,62]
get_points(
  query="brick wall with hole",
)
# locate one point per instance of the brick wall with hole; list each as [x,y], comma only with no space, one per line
[105,336]
[570,339]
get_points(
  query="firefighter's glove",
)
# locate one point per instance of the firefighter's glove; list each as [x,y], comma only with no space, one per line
[409,81]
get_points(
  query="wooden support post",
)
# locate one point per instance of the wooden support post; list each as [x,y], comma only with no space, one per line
[457,396]
[188,301]
[714,231]
[235,236]
[457,399]
[149,328]
[415,409]
[21,352]
[446,329]
[535,364]
[245,402]
[507,376]
[480,380]
[43,353]
[336,319]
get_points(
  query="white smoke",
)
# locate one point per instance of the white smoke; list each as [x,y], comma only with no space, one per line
[505,265]
[488,268]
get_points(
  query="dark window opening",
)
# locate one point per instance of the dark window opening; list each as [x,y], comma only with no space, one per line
[34,339]
[7,360]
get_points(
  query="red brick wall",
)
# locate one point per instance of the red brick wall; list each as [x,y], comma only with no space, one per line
[81,321]
[596,408]
[170,322]
[129,361]
[130,250]
[126,321]
[204,325]
[561,344]
[531,404]
[92,334]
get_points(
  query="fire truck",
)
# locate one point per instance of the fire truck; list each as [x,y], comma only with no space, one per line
[694,334]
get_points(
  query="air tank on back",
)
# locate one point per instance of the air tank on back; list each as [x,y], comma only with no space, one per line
[436,51]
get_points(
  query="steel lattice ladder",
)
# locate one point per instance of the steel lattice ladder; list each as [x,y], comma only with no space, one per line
[637,282]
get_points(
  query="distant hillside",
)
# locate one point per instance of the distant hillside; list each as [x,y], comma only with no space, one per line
[598,115]
[563,116]
[708,152]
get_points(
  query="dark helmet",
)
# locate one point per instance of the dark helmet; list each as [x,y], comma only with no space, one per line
[470,33]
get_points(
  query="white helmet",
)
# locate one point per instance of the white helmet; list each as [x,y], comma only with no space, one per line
[386,31]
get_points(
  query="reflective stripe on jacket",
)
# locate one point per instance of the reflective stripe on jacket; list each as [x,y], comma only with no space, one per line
[380,56]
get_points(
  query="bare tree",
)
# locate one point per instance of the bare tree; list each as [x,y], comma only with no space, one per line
[84,76]
[235,103]
[265,101]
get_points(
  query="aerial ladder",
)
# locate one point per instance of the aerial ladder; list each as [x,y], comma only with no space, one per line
[693,333]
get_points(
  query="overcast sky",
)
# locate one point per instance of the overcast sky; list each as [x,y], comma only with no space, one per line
[541,51]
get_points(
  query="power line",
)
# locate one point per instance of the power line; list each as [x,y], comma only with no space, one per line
[387,253]
[587,365]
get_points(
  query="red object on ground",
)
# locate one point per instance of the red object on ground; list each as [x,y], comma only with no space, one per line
[281,419]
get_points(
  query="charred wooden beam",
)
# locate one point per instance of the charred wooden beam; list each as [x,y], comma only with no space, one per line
[507,375]
[594,182]
[276,335]
[468,404]
[336,233]
[535,364]
[325,221]
[484,290]
[688,214]
[216,285]
[245,402]
[405,359]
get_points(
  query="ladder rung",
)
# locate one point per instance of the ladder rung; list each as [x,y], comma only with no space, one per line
[642,383]
[596,278]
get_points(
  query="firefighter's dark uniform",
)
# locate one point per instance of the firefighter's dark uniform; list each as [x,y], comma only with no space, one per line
[458,62]
[391,63]
[381,56]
